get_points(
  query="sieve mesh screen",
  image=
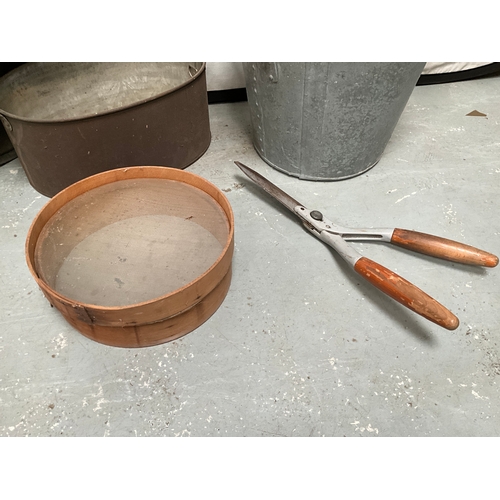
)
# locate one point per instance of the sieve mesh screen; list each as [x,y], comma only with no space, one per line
[131,241]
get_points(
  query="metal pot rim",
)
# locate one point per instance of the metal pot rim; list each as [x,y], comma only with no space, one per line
[103,113]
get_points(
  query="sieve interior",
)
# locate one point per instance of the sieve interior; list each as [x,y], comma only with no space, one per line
[131,241]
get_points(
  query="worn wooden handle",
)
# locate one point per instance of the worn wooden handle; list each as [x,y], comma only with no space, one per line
[405,293]
[443,248]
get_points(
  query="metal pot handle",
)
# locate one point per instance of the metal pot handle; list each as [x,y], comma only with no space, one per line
[192,71]
[5,122]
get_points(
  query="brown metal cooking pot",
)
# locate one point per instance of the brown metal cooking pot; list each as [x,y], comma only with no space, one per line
[68,121]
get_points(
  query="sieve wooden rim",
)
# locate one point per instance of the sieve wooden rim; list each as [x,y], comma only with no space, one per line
[151,311]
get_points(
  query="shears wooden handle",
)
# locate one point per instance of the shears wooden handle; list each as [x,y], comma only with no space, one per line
[442,248]
[405,293]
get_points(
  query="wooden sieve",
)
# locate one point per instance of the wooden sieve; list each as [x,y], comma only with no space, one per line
[135,256]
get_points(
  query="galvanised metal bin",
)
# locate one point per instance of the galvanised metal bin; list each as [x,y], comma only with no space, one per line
[326,121]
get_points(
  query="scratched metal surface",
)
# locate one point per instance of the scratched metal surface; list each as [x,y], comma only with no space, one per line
[301,346]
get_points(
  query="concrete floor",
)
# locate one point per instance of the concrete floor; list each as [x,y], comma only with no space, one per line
[300,346]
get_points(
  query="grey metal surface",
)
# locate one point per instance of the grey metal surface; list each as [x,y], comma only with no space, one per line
[300,346]
[326,121]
